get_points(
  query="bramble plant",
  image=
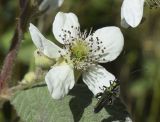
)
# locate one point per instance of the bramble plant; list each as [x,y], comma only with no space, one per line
[42,80]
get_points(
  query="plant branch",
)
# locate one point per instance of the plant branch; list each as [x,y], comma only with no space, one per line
[10,58]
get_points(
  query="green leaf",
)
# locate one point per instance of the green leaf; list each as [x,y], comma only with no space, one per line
[36,105]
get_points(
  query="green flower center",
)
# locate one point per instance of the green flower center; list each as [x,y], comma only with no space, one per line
[79,50]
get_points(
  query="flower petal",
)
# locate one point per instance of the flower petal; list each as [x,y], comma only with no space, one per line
[110,40]
[50,3]
[47,47]
[96,78]
[60,79]
[65,27]
[132,12]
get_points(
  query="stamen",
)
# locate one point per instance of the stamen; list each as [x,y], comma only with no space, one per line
[80,52]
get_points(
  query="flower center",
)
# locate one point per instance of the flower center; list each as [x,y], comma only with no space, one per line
[81,53]
[79,50]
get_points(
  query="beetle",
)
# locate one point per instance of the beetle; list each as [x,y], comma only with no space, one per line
[108,96]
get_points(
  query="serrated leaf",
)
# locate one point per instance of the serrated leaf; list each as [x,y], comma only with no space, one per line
[36,105]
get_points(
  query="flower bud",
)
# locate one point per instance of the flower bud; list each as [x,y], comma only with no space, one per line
[43,61]
[29,78]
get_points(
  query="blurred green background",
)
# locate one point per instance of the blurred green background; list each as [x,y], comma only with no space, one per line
[138,66]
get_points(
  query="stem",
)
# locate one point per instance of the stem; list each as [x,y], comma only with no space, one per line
[11,91]
[10,58]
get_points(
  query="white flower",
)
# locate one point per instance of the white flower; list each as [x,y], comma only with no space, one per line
[80,52]
[132,11]
[50,3]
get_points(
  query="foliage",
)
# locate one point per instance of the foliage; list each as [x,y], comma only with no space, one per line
[36,104]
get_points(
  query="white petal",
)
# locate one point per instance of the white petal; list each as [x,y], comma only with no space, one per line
[60,2]
[96,77]
[50,3]
[132,12]
[65,22]
[112,40]
[44,5]
[47,47]
[60,79]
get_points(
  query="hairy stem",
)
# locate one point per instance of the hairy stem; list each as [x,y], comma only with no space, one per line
[10,58]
